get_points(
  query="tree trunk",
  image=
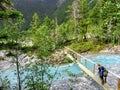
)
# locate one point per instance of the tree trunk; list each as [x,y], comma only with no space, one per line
[18,74]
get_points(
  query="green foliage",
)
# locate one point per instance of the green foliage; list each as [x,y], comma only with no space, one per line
[63,33]
[39,76]
[43,38]
[82,47]
[5,84]
[60,13]
[66,61]
[12,43]
[8,2]
[1,58]
[3,35]
[97,48]
[27,49]
[35,22]
[104,22]
[7,11]
[94,14]
[87,46]
[92,3]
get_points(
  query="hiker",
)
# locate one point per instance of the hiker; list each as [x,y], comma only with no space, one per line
[102,73]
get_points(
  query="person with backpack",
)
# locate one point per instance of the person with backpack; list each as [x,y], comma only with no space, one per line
[102,73]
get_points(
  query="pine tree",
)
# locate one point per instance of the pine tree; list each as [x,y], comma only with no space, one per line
[74,16]
[35,23]
[110,19]
[84,20]
[44,43]
[7,11]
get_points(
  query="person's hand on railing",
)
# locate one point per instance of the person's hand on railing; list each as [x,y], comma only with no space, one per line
[96,72]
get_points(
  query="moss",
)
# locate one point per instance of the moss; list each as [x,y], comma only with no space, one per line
[29,49]
[88,46]
[82,47]
[2,58]
[97,48]
[66,60]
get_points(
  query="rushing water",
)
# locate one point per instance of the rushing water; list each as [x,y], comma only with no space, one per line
[106,60]
[111,62]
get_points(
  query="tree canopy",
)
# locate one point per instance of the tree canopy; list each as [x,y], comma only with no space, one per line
[7,11]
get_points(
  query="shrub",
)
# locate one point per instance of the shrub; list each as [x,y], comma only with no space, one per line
[82,47]
[1,58]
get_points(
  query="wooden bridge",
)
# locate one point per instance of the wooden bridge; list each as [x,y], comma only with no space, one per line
[82,62]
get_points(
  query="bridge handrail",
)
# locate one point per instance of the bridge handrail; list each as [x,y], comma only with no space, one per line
[92,62]
[81,55]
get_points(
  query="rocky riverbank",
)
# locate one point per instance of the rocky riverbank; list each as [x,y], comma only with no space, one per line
[7,61]
[111,50]
[57,57]
[81,82]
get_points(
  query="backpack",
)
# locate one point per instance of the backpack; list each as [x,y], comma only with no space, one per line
[105,72]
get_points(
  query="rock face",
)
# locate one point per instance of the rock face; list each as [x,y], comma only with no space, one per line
[60,2]
[42,7]
[6,62]
[79,83]
[111,50]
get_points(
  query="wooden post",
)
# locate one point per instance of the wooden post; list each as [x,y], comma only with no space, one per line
[75,56]
[93,70]
[85,63]
[78,59]
[118,84]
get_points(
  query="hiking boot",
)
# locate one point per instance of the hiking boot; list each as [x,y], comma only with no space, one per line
[102,83]
[105,81]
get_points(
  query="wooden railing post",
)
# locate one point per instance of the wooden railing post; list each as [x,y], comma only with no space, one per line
[85,63]
[79,59]
[118,84]
[93,69]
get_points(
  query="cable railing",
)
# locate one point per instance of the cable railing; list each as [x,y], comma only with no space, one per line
[86,62]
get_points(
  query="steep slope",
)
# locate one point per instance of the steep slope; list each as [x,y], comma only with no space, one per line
[42,7]
[60,13]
